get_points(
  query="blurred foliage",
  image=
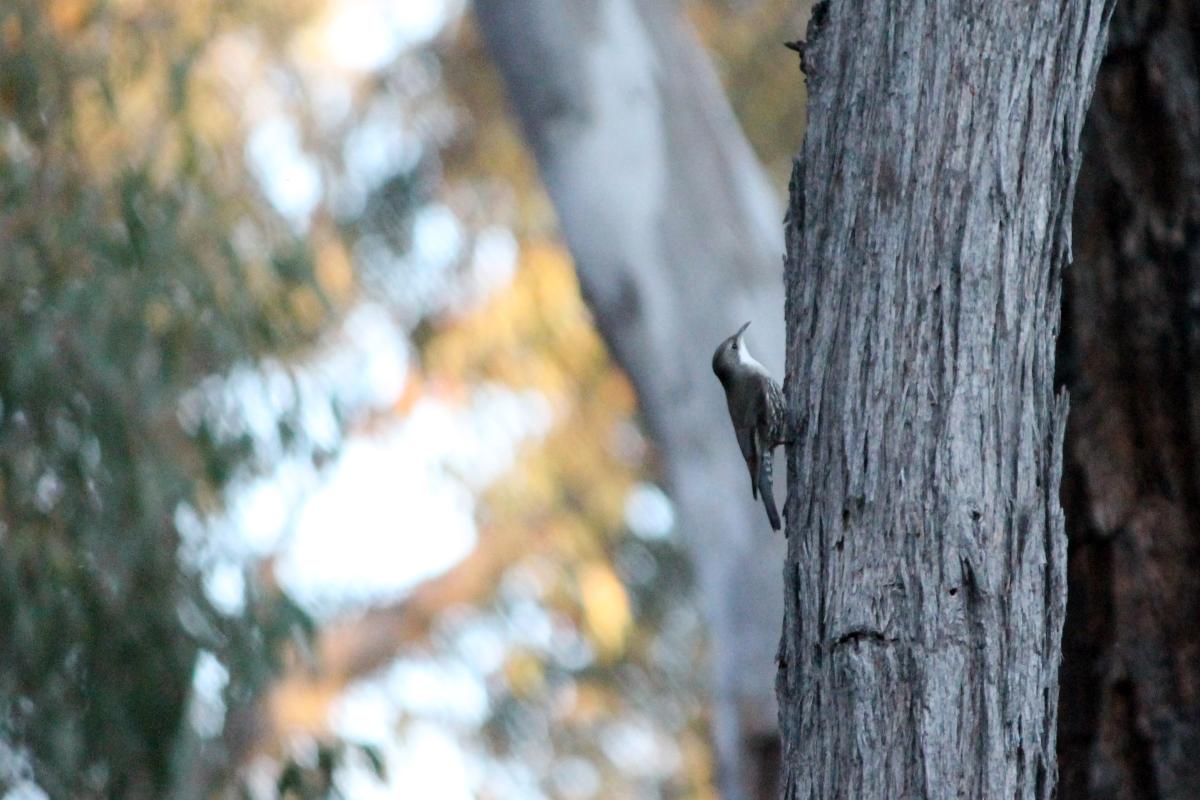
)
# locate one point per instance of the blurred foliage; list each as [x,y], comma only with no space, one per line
[301,781]
[149,265]
[139,259]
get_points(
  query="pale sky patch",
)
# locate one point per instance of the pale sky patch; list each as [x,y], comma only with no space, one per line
[399,506]
[288,175]
[382,521]
[368,34]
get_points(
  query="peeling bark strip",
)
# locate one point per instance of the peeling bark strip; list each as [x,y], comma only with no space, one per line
[930,222]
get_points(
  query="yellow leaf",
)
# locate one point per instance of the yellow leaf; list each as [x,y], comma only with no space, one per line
[67,15]
[605,608]
[158,316]
[298,706]
[523,673]
[592,703]
[306,307]
[335,274]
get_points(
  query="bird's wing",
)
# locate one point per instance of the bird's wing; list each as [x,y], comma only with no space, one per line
[766,485]
[748,442]
[770,400]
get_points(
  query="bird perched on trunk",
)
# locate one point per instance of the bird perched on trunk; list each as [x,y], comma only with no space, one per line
[756,408]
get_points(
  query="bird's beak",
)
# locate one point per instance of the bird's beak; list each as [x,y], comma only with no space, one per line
[742,330]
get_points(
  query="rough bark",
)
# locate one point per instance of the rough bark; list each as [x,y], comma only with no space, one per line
[673,229]
[1130,356]
[926,568]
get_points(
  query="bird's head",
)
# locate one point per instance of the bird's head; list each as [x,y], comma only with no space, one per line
[730,353]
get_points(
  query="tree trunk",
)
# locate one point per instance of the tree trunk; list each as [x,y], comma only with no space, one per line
[1130,355]
[673,229]
[926,569]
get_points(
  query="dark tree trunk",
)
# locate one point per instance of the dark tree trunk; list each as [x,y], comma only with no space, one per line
[925,583]
[1130,356]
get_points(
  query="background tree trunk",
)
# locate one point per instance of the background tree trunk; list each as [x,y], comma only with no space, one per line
[926,569]
[1130,355]
[674,232]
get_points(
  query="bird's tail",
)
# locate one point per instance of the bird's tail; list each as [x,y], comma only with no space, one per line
[767,489]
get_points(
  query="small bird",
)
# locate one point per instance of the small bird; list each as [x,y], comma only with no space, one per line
[756,408]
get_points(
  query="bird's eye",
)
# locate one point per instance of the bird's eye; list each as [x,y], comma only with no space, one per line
[735,345]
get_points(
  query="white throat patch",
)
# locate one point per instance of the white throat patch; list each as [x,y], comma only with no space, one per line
[745,359]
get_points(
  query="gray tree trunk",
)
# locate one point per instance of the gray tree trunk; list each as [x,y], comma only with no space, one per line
[674,232]
[930,221]
[1129,724]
